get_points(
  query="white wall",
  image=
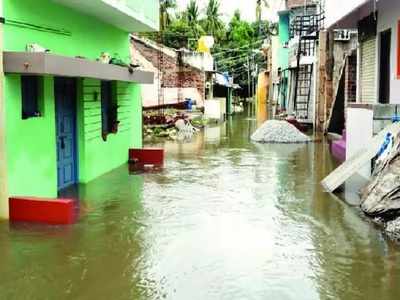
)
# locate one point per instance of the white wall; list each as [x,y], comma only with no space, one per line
[359,133]
[215,108]
[388,16]
[150,95]
[201,61]
[336,9]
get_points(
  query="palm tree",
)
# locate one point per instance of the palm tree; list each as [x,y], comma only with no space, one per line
[259,8]
[192,16]
[165,18]
[193,13]
[213,23]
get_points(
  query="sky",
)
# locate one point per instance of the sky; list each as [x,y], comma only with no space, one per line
[246,7]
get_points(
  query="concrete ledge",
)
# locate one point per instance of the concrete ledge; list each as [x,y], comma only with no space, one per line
[48,211]
[361,105]
[57,65]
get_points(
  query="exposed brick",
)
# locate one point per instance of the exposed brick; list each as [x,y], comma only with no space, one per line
[174,73]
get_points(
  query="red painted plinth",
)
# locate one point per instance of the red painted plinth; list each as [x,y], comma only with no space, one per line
[145,157]
[55,212]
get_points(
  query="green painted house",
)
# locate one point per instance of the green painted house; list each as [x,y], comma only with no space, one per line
[284,38]
[70,116]
[283,56]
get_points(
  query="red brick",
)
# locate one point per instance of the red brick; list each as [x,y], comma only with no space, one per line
[173,74]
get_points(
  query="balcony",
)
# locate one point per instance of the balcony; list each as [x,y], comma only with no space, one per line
[128,15]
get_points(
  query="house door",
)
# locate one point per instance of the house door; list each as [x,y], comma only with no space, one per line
[65,96]
[384,66]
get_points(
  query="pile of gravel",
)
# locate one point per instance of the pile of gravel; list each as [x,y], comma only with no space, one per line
[273,131]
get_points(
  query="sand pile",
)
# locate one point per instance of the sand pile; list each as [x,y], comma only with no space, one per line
[273,131]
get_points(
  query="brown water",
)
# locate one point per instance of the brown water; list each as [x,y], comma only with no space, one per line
[226,219]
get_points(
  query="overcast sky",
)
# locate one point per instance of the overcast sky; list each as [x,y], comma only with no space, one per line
[246,7]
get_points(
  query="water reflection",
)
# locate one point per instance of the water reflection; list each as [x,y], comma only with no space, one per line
[225,219]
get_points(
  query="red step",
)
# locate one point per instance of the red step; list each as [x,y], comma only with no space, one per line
[39,210]
[143,157]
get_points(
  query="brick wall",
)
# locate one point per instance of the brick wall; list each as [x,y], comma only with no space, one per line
[174,74]
[351,79]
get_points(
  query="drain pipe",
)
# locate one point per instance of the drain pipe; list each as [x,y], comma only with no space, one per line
[3,167]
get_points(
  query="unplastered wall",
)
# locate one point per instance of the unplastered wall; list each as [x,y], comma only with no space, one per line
[154,94]
[388,17]
[97,156]
[172,74]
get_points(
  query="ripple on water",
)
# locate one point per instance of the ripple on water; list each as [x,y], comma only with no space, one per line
[228,220]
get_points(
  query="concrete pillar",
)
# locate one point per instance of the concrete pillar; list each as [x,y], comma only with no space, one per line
[320,102]
[3,167]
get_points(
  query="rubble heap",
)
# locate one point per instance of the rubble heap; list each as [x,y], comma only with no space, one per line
[381,197]
[172,124]
[274,131]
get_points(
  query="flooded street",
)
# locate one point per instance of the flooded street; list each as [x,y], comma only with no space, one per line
[226,219]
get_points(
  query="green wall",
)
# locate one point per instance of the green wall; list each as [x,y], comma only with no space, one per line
[96,156]
[31,144]
[283,38]
[88,36]
[31,154]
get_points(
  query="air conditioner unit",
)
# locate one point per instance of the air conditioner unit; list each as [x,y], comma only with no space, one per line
[342,35]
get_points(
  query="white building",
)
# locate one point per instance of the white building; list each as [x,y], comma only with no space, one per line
[378,50]
[378,74]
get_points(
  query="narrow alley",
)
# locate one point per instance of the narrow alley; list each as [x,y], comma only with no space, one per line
[226,219]
[200,150]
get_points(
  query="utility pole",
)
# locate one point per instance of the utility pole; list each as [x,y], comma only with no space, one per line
[254,77]
[248,77]
[3,167]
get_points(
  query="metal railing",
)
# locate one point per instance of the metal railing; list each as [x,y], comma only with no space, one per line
[306,25]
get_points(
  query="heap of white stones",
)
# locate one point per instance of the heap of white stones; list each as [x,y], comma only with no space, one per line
[273,131]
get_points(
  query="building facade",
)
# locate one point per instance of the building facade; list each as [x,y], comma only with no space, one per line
[180,73]
[70,116]
[299,26]
[378,67]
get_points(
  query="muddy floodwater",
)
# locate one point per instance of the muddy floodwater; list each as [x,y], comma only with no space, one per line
[226,219]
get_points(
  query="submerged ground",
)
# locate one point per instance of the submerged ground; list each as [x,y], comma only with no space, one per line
[226,219]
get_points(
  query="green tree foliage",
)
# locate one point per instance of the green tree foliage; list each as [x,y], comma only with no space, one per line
[259,8]
[213,25]
[237,51]
[192,15]
[165,18]
[236,41]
